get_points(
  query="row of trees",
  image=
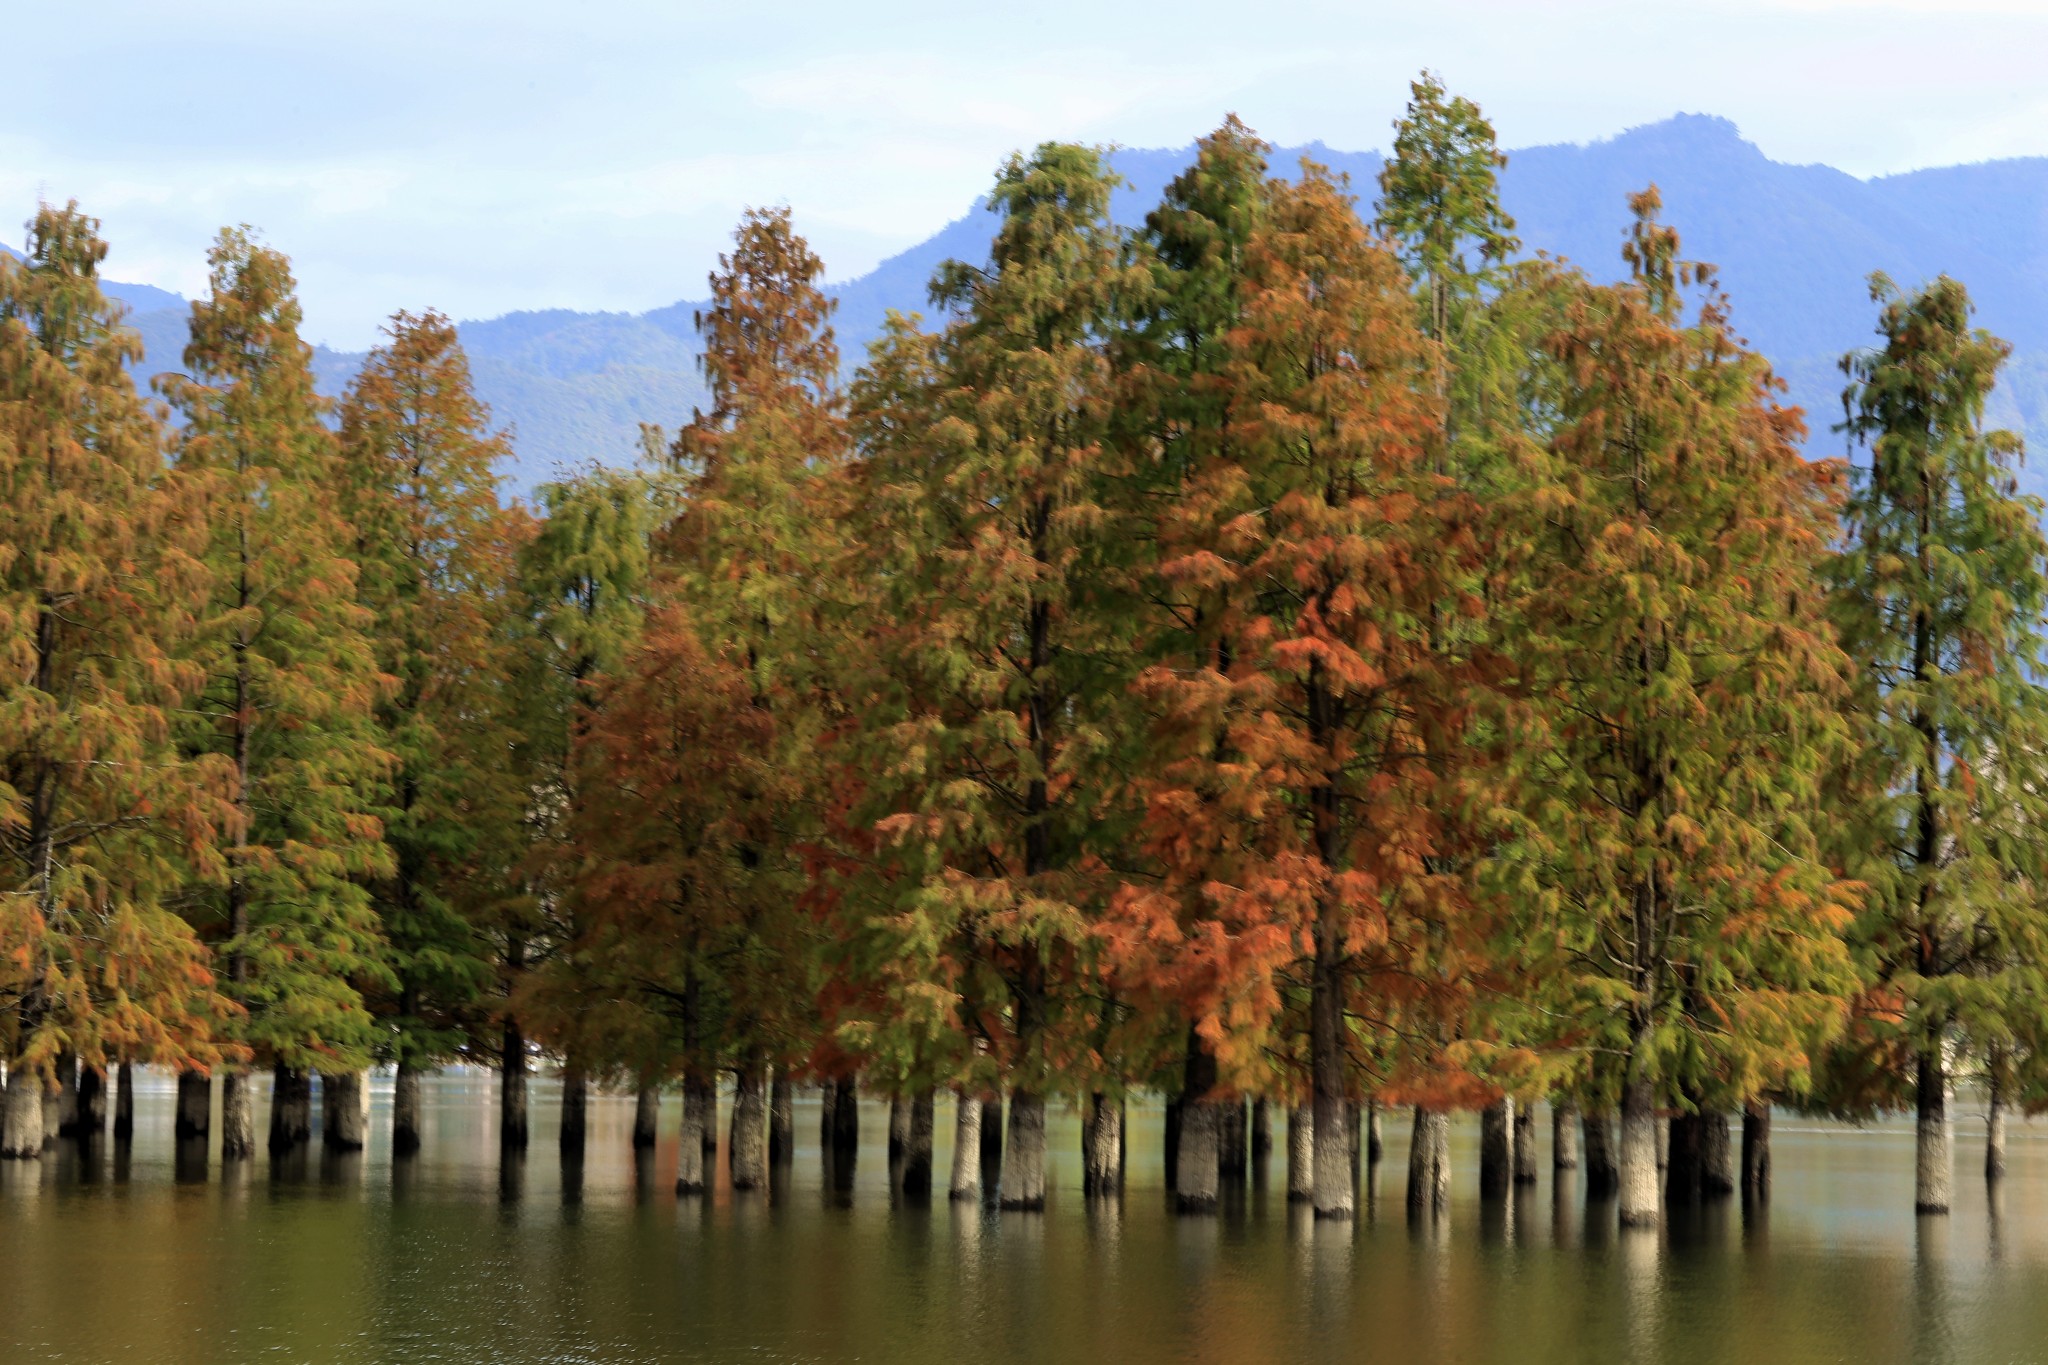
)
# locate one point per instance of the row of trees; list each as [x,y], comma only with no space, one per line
[1264,652]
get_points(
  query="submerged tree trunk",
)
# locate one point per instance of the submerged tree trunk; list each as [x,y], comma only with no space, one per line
[1637,1181]
[646,1115]
[1301,1154]
[991,1140]
[1496,1148]
[1756,1151]
[1198,1154]
[405,1110]
[749,1154]
[237,1115]
[1564,1135]
[512,1124]
[846,1116]
[691,1175]
[1685,1159]
[345,1110]
[1603,1165]
[291,1108]
[966,1181]
[1233,1140]
[92,1103]
[781,1118]
[1429,1165]
[193,1116]
[1375,1139]
[1934,1157]
[1023,1184]
[21,1135]
[1526,1158]
[1335,1195]
[67,1094]
[124,1103]
[899,1127]
[703,1093]
[917,1149]
[1102,1160]
[575,1129]
[1994,1132]
[1717,1156]
[1262,1130]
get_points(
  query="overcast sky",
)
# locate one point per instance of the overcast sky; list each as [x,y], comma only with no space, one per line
[482,157]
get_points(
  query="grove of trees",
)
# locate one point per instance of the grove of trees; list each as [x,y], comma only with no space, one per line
[1305,657]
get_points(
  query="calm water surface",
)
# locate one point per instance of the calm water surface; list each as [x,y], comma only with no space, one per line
[448,1257]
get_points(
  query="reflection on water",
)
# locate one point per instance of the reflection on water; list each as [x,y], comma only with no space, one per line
[156,1253]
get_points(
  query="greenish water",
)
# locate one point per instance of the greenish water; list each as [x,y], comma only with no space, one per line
[446,1257]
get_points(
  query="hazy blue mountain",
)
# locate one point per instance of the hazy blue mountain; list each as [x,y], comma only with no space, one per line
[1795,245]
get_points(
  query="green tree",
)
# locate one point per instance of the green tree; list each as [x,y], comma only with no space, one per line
[1942,585]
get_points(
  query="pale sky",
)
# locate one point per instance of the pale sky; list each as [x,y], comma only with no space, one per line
[481,156]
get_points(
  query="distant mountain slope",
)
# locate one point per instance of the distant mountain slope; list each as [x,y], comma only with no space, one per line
[1794,245]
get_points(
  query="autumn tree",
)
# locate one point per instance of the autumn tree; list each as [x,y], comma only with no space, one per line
[1942,585]
[102,820]
[290,684]
[1685,705]
[433,545]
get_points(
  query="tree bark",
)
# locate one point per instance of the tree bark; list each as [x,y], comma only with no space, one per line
[1934,1156]
[1102,1158]
[124,1103]
[193,1116]
[781,1118]
[291,1108]
[575,1130]
[237,1115]
[405,1110]
[646,1115]
[1262,1130]
[991,1141]
[917,1151]
[704,1095]
[1756,1151]
[1335,1196]
[1233,1140]
[512,1117]
[691,1175]
[1564,1135]
[1429,1165]
[1496,1148]
[92,1103]
[1023,1184]
[1717,1156]
[749,1156]
[1375,1139]
[21,1136]
[67,1094]
[1526,1159]
[966,1182]
[846,1116]
[1638,1165]
[899,1127]
[1685,1160]
[1603,1167]
[1301,1155]
[1198,1155]
[1994,1132]
[345,1110]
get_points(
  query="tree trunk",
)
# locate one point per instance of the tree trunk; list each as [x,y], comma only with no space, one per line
[1335,1196]
[1375,1140]
[575,1130]
[1717,1156]
[704,1095]
[749,1154]
[1102,1158]
[1429,1165]
[1198,1153]
[917,1151]
[194,1114]
[512,1125]
[1934,1158]
[1233,1140]
[1685,1160]
[291,1108]
[237,1115]
[991,1141]
[1638,1165]
[1023,1184]
[1496,1148]
[691,1175]
[92,1103]
[345,1110]
[1564,1135]
[899,1127]
[405,1110]
[124,1103]
[846,1116]
[22,1138]
[1603,1167]
[1526,1159]
[1170,1141]
[1756,1151]
[966,1182]
[646,1115]
[67,1094]
[1994,1132]
[1660,1131]
[1301,1155]
[781,1118]
[1262,1131]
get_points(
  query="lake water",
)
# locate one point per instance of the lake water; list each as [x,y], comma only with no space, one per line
[448,1257]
